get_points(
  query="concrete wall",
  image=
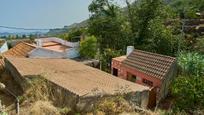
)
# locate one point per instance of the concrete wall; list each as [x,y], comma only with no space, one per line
[46,53]
[72,53]
[139,99]
[4,48]
[16,75]
[58,40]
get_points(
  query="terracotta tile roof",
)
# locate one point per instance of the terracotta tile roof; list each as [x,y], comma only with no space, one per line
[20,50]
[57,47]
[73,76]
[46,44]
[152,64]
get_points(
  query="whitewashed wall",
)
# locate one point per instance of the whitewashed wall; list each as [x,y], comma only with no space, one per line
[72,53]
[41,52]
[4,48]
[46,53]
[58,40]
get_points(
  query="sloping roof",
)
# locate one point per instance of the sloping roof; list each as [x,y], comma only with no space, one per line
[74,76]
[56,47]
[152,64]
[50,43]
[20,50]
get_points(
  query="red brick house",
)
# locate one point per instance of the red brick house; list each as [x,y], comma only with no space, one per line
[149,69]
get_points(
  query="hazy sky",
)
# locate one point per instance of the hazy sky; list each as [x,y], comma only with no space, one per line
[42,13]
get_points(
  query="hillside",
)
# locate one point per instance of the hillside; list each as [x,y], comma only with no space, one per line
[65,29]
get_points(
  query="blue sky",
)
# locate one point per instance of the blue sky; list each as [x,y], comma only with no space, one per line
[42,13]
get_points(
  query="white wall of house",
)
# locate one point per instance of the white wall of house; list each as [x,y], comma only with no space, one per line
[45,53]
[71,52]
[4,48]
[58,40]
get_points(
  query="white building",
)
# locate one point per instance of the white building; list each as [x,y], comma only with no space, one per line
[3,46]
[54,48]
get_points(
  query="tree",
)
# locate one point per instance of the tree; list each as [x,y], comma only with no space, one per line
[108,25]
[191,64]
[23,36]
[200,45]
[189,86]
[88,47]
[187,8]
[106,58]
[75,33]
[147,20]
[189,92]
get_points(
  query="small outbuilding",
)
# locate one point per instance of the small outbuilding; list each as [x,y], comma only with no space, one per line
[149,69]
[54,48]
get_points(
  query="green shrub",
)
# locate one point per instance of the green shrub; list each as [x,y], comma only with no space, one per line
[188,88]
[106,58]
[88,47]
[189,92]
[191,63]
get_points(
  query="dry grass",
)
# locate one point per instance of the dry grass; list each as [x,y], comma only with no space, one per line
[113,105]
[43,108]
[38,90]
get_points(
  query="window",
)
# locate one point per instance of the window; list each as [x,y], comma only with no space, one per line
[131,78]
[147,82]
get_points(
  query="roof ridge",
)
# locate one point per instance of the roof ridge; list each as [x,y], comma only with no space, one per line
[161,55]
[28,44]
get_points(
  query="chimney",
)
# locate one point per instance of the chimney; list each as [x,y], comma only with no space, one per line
[39,42]
[130,49]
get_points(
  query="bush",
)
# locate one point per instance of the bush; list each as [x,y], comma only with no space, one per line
[88,47]
[106,58]
[191,63]
[189,86]
[189,91]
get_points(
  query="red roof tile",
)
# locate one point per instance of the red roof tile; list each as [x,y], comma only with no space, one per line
[20,50]
[152,64]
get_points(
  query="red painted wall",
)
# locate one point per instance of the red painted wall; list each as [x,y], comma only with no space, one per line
[123,70]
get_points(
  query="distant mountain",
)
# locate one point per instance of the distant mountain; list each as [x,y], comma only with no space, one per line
[6,31]
[21,33]
[65,29]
